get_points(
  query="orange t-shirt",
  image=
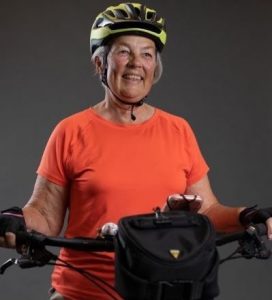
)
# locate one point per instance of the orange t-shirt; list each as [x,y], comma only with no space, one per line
[114,170]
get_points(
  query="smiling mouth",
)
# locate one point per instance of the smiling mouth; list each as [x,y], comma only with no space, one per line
[132,77]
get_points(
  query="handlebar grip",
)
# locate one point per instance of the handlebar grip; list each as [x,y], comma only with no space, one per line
[260,228]
[32,237]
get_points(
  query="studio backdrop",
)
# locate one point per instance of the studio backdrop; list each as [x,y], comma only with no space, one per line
[217,75]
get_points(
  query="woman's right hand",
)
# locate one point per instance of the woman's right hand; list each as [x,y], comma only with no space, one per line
[8,240]
[11,221]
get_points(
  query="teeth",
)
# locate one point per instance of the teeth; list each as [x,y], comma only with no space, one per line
[132,77]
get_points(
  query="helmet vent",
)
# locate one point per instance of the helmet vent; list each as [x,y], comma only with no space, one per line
[151,16]
[98,22]
[110,13]
[137,11]
[121,14]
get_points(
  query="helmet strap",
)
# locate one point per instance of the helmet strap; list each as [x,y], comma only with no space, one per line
[133,105]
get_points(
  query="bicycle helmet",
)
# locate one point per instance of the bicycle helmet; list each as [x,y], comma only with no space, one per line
[128,18]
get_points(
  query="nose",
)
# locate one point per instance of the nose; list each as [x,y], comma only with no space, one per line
[135,60]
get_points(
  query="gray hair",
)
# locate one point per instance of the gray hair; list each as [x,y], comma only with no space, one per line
[103,51]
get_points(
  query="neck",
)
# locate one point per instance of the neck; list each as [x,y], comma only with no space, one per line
[125,111]
[121,113]
[124,104]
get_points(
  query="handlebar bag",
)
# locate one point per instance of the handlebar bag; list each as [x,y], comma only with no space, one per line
[166,256]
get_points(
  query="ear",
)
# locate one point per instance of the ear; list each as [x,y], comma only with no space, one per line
[98,65]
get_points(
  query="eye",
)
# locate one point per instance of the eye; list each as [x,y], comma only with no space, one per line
[147,55]
[123,51]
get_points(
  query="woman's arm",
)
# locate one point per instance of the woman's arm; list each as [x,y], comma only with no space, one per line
[45,211]
[224,218]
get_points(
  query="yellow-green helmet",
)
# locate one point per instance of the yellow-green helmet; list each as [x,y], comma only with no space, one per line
[128,18]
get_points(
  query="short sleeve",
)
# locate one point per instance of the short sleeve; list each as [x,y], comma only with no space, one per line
[199,167]
[53,165]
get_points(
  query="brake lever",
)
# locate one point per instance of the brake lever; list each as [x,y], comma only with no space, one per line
[27,262]
[10,262]
[253,245]
[33,254]
[23,262]
[38,258]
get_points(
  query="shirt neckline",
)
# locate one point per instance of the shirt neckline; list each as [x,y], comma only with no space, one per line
[121,125]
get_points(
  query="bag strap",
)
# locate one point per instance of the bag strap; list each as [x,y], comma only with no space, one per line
[162,290]
[178,290]
[150,222]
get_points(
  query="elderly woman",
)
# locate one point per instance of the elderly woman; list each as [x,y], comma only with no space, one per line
[120,157]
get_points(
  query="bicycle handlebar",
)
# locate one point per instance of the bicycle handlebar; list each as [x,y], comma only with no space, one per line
[32,246]
[107,244]
[259,229]
[77,243]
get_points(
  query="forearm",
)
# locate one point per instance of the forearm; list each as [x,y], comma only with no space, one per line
[45,211]
[35,220]
[224,218]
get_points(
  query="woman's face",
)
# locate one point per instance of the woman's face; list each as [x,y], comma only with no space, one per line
[131,67]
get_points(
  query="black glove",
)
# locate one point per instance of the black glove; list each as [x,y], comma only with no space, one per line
[252,215]
[12,220]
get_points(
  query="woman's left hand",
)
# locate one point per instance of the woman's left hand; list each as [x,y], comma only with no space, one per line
[254,215]
[183,202]
[269,228]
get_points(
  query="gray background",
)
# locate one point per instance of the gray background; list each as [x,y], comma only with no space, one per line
[217,74]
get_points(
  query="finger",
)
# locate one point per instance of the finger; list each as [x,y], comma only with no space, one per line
[165,208]
[195,206]
[269,228]
[3,242]
[10,240]
[192,198]
[173,201]
[175,197]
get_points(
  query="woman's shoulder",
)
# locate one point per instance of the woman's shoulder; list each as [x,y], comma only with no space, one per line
[72,125]
[172,119]
[76,120]
[176,124]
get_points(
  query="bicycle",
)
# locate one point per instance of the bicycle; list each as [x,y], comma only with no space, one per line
[32,246]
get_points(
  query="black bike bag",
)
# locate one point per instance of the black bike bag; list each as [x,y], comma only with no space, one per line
[166,256]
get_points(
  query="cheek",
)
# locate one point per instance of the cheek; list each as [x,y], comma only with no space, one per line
[115,68]
[150,67]
[150,71]
[111,73]
[118,62]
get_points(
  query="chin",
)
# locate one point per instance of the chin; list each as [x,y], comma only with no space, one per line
[132,98]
